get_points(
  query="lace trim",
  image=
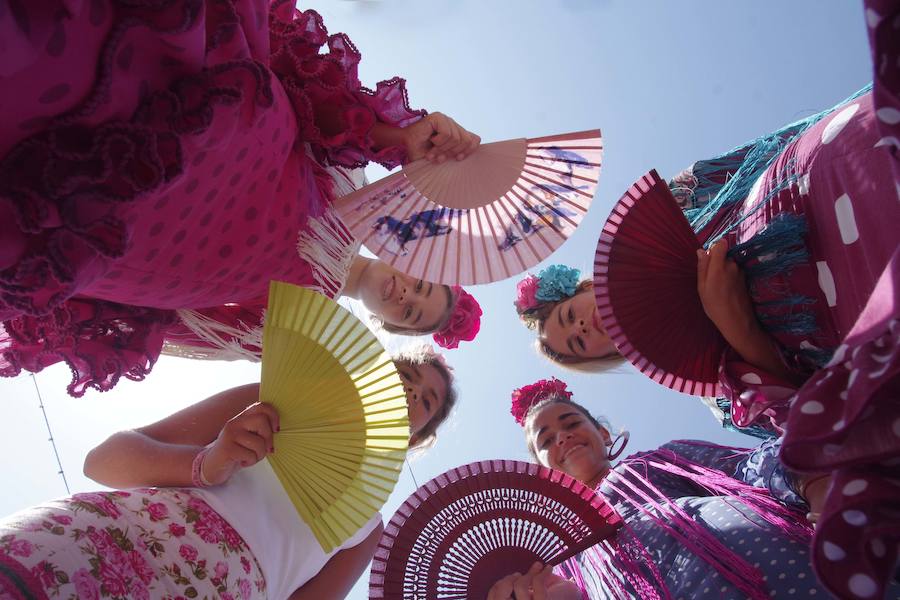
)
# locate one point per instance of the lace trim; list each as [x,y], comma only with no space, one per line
[99,341]
[335,113]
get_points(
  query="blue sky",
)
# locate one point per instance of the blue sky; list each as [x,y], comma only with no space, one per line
[667,82]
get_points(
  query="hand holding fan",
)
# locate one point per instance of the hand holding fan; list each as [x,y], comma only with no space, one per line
[462,531]
[645,284]
[497,213]
[344,426]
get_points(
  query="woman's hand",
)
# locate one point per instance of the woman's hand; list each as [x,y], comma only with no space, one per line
[539,583]
[437,138]
[814,489]
[244,441]
[726,301]
[723,292]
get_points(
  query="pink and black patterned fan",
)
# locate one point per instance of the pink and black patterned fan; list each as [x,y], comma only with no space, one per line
[495,214]
[645,284]
[459,533]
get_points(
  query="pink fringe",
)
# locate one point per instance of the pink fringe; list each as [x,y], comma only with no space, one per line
[789,521]
[626,557]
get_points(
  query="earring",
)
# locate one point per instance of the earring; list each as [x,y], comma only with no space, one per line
[614,454]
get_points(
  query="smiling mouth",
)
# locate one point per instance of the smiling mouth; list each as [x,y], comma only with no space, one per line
[389,288]
[571,450]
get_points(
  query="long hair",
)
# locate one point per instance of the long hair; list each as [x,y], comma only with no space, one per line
[425,355]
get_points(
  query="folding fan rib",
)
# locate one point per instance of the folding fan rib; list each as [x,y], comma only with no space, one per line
[588,134]
[428,222]
[555,176]
[486,253]
[582,210]
[556,182]
[542,157]
[414,202]
[358,207]
[473,267]
[498,218]
[510,205]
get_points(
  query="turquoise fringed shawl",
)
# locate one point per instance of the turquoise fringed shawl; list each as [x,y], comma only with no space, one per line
[722,183]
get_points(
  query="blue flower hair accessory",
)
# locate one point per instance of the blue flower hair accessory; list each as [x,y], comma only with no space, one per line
[557,282]
[553,284]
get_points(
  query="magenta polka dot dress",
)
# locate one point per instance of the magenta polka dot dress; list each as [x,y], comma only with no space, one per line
[834,316]
[159,156]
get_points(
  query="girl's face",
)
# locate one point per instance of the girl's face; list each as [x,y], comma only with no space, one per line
[565,439]
[403,301]
[573,329]
[426,392]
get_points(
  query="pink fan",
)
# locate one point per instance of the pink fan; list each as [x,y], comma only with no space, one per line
[495,214]
[645,284]
[459,533]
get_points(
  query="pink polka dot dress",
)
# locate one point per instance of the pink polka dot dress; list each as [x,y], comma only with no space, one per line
[161,156]
[834,315]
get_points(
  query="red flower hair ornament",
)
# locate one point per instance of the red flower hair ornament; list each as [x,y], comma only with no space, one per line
[464,322]
[527,396]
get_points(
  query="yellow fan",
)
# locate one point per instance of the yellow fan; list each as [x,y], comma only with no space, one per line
[344,426]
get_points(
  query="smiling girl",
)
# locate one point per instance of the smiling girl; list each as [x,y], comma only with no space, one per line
[701,521]
[197,511]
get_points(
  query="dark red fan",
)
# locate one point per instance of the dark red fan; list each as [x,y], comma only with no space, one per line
[645,284]
[459,533]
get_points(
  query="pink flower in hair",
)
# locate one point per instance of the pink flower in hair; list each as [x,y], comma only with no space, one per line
[464,322]
[526,293]
[527,396]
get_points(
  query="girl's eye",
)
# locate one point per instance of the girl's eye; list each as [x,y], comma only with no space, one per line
[571,315]
[419,285]
[427,405]
[572,425]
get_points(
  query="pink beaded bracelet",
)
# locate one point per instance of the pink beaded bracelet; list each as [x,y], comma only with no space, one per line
[197,478]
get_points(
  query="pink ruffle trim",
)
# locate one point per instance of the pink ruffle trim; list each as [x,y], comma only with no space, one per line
[100,341]
[335,113]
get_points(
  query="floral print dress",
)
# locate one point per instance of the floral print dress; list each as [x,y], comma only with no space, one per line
[145,543]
